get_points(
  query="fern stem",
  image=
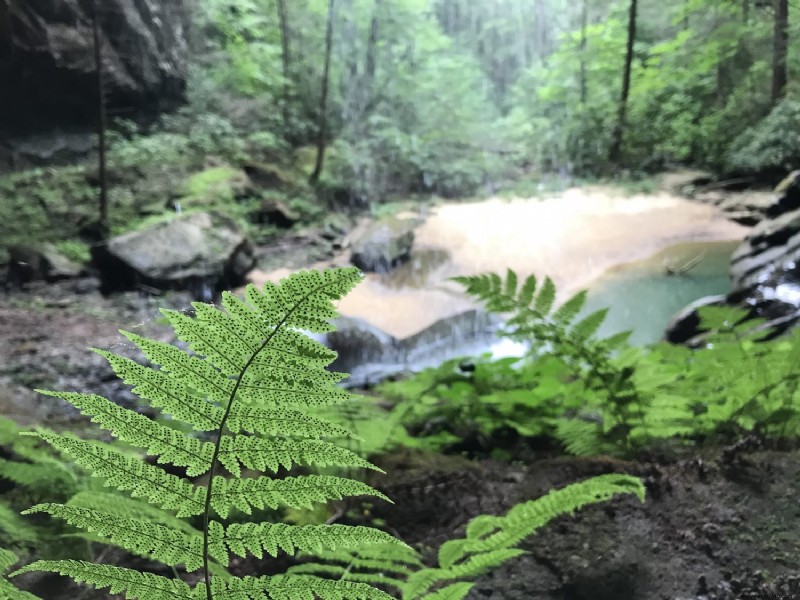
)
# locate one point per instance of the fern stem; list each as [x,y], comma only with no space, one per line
[215,456]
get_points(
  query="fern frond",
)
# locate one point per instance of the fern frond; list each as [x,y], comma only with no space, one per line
[141,586]
[257,538]
[345,573]
[546,297]
[126,473]
[292,492]
[141,537]
[488,533]
[422,581]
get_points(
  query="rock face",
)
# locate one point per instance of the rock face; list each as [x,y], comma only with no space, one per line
[384,244]
[47,70]
[202,252]
[765,268]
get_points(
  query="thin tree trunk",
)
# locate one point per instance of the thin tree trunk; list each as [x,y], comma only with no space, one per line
[619,129]
[584,25]
[101,113]
[323,107]
[283,19]
[780,50]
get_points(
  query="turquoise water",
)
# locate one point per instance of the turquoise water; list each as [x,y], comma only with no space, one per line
[642,296]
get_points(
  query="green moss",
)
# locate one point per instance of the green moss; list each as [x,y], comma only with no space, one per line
[75,250]
[211,180]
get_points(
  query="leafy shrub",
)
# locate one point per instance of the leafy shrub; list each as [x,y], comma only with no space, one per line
[772,145]
[600,395]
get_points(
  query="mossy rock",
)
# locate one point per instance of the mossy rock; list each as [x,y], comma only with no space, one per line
[269,176]
[216,185]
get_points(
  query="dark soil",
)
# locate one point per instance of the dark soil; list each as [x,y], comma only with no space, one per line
[718,524]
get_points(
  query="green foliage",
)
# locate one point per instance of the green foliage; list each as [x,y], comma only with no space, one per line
[599,395]
[772,145]
[250,379]
[7,590]
[489,542]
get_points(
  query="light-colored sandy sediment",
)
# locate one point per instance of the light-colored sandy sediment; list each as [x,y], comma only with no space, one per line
[574,237]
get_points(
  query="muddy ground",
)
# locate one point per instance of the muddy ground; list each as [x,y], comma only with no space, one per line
[717,524]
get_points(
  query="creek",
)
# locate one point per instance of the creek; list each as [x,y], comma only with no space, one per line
[621,247]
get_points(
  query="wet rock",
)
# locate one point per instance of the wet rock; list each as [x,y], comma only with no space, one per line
[145,59]
[370,354]
[274,212]
[44,262]
[188,252]
[684,327]
[764,269]
[383,244]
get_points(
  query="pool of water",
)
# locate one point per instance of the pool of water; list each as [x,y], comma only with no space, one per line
[643,296]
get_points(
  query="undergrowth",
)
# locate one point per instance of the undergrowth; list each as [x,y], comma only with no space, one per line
[595,395]
[239,438]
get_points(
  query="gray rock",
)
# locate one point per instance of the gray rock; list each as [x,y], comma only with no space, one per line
[384,244]
[200,251]
[684,327]
[47,69]
[42,262]
[370,354]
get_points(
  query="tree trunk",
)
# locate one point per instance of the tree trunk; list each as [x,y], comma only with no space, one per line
[101,119]
[619,129]
[780,49]
[323,105]
[584,25]
[283,19]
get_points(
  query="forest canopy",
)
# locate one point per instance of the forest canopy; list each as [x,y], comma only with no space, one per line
[455,96]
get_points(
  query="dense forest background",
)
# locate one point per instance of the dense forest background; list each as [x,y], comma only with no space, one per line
[451,95]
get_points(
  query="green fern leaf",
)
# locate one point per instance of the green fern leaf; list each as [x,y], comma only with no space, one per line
[454,591]
[292,492]
[15,527]
[169,445]
[7,591]
[346,573]
[126,473]
[256,538]
[272,454]
[288,587]
[588,326]
[510,287]
[487,533]
[565,313]
[527,292]
[142,586]
[546,298]
[275,421]
[421,581]
[169,393]
[164,544]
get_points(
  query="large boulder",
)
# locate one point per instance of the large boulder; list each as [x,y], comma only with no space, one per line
[383,244]
[201,252]
[47,69]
